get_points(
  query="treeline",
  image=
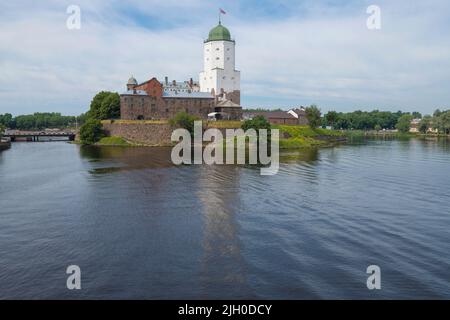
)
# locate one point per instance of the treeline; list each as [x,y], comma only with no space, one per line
[439,121]
[39,121]
[379,120]
[366,120]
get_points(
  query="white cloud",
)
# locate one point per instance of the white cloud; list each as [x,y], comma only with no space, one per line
[326,56]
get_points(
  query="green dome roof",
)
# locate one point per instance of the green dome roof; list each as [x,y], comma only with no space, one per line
[219,33]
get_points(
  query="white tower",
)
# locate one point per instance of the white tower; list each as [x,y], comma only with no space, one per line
[219,73]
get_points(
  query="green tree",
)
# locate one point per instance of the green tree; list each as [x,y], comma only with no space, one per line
[417,115]
[404,123]
[97,109]
[377,127]
[184,120]
[258,122]
[91,132]
[425,124]
[313,115]
[443,122]
[7,120]
[331,118]
[2,129]
[110,107]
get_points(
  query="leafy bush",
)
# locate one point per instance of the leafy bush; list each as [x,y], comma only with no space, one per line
[184,120]
[91,132]
[105,105]
[313,115]
[258,122]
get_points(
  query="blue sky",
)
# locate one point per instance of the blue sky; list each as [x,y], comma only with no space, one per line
[290,53]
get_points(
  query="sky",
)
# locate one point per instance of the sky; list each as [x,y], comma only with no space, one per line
[290,53]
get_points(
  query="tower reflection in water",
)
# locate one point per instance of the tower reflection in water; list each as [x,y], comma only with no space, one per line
[223,268]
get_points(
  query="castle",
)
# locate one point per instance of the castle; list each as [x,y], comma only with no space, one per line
[216,95]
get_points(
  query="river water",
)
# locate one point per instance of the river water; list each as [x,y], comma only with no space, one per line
[140,227]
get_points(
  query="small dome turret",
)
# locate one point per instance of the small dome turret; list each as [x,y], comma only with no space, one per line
[132,81]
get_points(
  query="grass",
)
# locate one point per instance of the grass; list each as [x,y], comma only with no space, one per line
[112,141]
[225,124]
[296,137]
[306,131]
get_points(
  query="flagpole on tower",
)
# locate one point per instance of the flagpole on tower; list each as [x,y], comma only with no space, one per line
[221,11]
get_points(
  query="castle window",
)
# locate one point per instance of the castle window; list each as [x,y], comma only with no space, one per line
[217,49]
[223,78]
[217,58]
[228,58]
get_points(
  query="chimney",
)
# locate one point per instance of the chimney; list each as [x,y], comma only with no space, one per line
[166,80]
[191,82]
[174,82]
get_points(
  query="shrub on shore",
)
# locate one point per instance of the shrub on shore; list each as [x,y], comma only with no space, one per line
[184,120]
[91,132]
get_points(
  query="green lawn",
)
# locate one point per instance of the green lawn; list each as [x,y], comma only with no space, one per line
[293,137]
[112,141]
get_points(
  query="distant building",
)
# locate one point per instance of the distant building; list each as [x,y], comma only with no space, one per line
[295,116]
[155,100]
[415,123]
[415,127]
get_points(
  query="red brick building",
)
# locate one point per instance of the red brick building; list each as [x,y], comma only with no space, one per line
[153,100]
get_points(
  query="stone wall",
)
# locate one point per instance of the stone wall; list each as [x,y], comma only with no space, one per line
[143,107]
[140,132]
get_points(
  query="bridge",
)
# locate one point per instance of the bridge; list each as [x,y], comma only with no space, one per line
[34,136]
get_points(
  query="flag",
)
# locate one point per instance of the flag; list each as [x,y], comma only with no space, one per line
[222,11]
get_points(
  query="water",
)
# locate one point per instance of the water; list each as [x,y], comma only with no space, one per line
[140,227]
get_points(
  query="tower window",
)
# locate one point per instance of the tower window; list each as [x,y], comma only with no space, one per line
[217,49]
[217,58]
